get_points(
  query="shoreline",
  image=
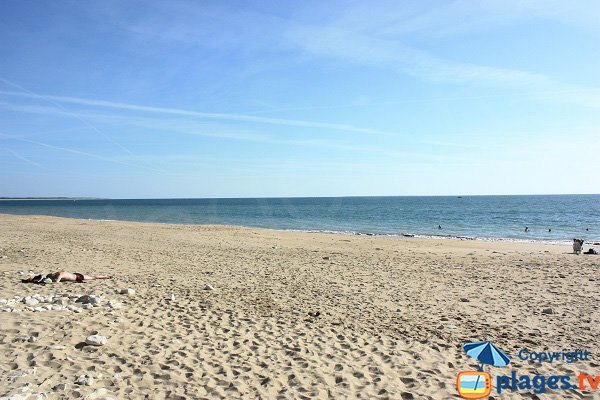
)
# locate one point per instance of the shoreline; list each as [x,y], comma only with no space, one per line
[404,235]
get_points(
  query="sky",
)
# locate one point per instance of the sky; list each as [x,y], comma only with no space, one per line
[167,99]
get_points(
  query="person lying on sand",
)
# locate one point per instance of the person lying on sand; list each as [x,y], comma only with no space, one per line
[63,276]
[74,277]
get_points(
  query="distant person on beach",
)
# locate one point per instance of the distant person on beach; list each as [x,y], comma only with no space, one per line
[526,229]
[577,246]
[549,230]
[63,276]
[439,227]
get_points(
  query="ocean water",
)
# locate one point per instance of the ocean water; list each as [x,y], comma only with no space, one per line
[481,217]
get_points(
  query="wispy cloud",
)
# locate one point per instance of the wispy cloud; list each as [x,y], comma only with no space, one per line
[190,126]
[25,159]
[206,115]
[357,47]
[78,152]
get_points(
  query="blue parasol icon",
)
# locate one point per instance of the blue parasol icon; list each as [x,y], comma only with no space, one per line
[486,353]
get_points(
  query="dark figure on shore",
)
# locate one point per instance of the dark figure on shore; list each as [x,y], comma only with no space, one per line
[549,230]
[526,229]
[439,227]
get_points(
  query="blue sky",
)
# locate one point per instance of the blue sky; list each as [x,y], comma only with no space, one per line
[143,99]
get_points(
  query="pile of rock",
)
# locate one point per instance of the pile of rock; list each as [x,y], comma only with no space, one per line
[56,302]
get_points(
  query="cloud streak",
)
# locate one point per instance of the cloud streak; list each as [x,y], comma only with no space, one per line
[206,115]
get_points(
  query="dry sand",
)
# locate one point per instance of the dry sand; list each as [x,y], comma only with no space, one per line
[394,313]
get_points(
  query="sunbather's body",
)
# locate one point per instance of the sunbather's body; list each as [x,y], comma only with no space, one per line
[74,277]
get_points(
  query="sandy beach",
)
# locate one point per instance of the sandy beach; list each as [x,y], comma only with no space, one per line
[393,313]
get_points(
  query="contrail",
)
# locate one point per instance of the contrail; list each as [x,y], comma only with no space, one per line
[91,155]
[28,161]
[198,114]
[52,101]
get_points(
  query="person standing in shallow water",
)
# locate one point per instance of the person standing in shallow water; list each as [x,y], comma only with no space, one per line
[526,229]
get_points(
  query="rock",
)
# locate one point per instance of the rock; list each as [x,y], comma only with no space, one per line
[96,340]
[172,297]
[327,258]
[63,301]
[208,287]
[128,292]
[84,380]
[15,397]
[30,301]
[548,311]
[114,305]
[100,393]
[87,306]
[48,299]
[85,299]
[32,339]
[61,387]
[39,309]
[464,300]
[3,301]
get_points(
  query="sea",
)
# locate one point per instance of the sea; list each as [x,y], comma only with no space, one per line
[556,218]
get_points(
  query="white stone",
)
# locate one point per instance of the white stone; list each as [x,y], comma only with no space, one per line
[208,287]
[86,306]
[98,394]
[96,340]
[172,297]
[85,380]
[3,301]
[31,301]
[15,397]
[114,304]
[128,292]
[63,301]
